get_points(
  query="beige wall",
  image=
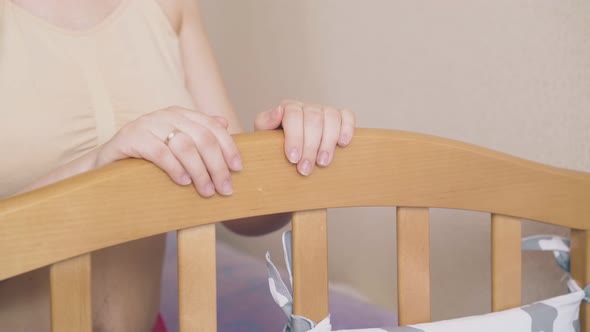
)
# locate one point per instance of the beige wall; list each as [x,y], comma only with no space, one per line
[510,75]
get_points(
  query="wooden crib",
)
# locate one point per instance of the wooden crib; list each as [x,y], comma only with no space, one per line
[61,225]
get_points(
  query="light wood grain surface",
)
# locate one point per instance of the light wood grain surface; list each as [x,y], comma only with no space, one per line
[580,266]
[197,292]
[413,265]
[310,264]
[71,305]
[506,262]
[380,168]
[133,199]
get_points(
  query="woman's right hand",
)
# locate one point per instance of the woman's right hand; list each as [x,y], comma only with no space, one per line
[201,152]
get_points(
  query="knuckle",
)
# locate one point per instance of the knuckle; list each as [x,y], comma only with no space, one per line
[313,108]
[165,110]
[348,126]
[346,129]
[174,112]
[313,113]
[148,120]
[172,108]
[233,152]
[215,174]
[142,119]
[350,114]
[311,145]
[220,175]
[206,139]
[182,144]
[291,107]
[228,149]
[202,178]
[330,138]
[213,123]
[332,112]
[315,117]
[290,101]
[159,152]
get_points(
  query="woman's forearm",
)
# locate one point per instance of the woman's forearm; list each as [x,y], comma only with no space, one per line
[83,164]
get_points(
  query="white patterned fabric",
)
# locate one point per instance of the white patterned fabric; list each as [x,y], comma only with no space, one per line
[558,314]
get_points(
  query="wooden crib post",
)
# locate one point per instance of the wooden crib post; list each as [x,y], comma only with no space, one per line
[506,262]
[197,279]
[413,265]
[71,303]
[310,264]
[580,265]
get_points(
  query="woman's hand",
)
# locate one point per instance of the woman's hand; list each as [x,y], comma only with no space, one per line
[191,147]
[312,132]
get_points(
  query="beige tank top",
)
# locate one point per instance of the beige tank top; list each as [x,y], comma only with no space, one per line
[64,92]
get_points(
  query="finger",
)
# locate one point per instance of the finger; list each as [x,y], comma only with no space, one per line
[293,101]
[152,148]
[347,127]
[229,149]
[185,151]
[221,120]
[210,151]
[313,124]
[330,136]
[269,120]
[293,128]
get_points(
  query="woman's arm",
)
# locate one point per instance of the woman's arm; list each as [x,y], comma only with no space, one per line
[204,82]
[83,164]
[203,79]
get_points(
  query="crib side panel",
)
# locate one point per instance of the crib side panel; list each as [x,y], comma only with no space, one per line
[580,264]
[405,170]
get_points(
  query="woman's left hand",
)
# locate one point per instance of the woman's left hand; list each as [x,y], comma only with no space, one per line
[312,131]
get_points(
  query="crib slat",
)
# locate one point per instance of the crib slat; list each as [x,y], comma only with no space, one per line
[197,288]
[580,247]
[71,309]
[413,265]
[506,262]
[310,264]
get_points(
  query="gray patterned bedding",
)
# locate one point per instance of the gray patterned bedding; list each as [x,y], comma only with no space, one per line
[244,301]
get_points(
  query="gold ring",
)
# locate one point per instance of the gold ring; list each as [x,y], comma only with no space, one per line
[170,136]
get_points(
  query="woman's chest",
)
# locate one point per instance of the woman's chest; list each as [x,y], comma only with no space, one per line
[60,97]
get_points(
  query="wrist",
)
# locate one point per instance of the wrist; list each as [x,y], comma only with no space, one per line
[100,157]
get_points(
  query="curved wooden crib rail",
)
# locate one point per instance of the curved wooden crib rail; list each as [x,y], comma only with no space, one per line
[60,225]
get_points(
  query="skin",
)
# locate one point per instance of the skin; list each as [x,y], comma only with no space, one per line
[202,153]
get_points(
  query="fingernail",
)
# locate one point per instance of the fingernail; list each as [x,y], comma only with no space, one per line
[237,164]
[306,167]
[324,159]
[226,188]
[209,189]
[185,179]
[344,140]
[294,155]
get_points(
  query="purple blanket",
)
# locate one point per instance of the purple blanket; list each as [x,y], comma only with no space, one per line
[244,301]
